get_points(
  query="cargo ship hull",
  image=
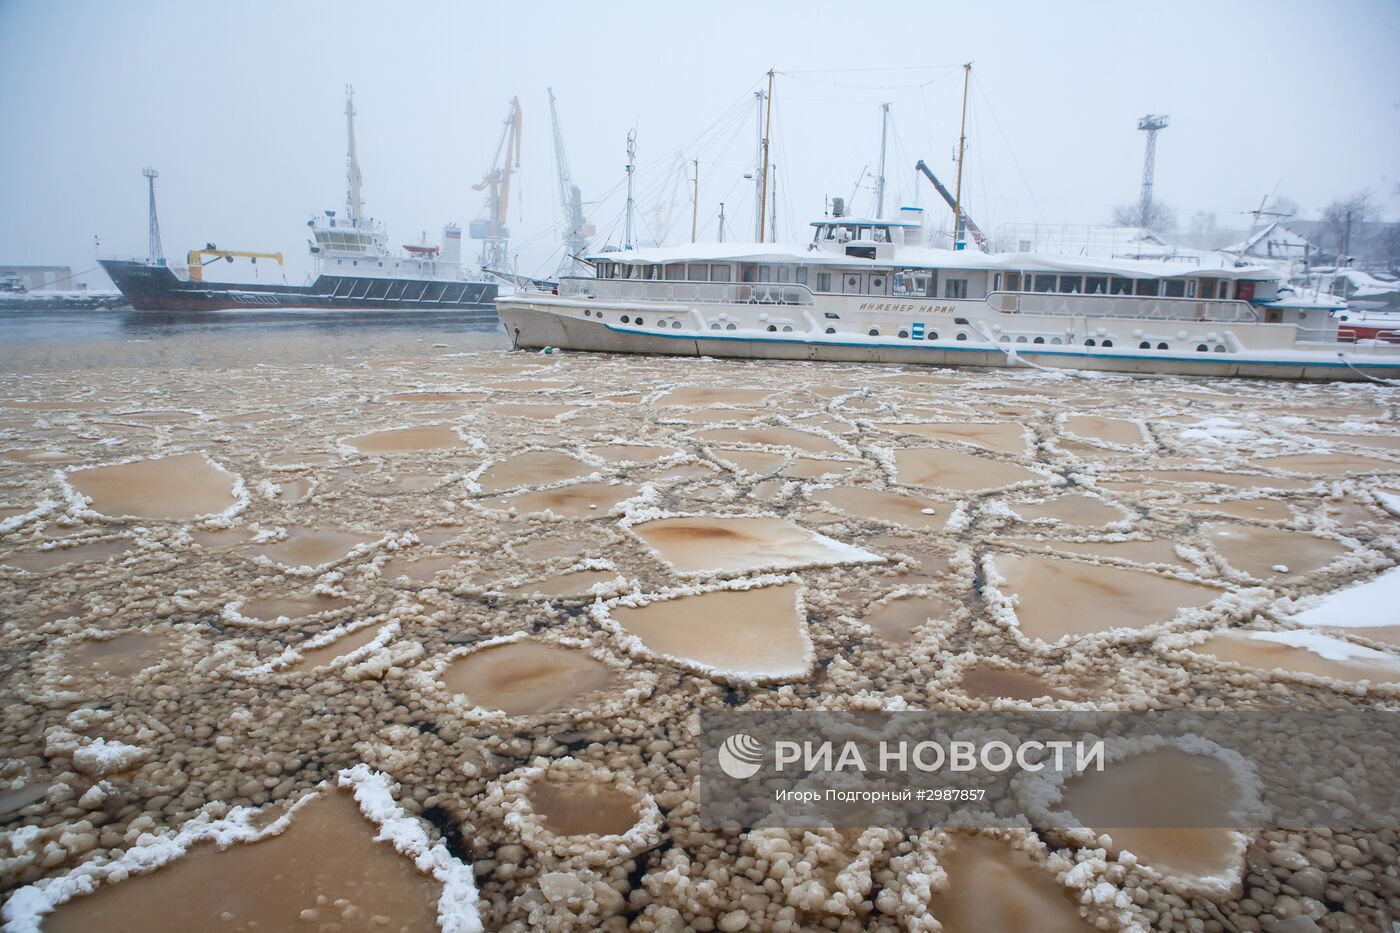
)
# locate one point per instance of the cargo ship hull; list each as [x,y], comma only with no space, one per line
[153,287]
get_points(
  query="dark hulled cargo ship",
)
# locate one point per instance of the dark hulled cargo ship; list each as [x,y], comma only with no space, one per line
[355,268]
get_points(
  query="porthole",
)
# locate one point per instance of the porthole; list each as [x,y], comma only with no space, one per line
[1162,345]
[851,281]
[587,313]
[1021,339]
[1219,348]
[772,327]
[787,328]
[831,330]
[714,327]
[1201,348]
[1038,340]
[1005,338]
[874,332]
[731,327]
[961,336]
[675,325]
[1108,343]
[932,335]
[1145,345]
[661,324]
[640,322]
[1056,340]
[1091,342]
[625,319]
[904,335]
[878,283]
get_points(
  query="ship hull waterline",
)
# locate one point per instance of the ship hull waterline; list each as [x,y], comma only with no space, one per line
[157,288]
[534,325]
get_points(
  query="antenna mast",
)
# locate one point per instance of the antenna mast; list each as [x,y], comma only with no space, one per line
[353,205]
[721,221]
[763,188]
[631,175]
[156,254]
[1150,124]
[758,166]
[962,149]
[695,202]
[880,182]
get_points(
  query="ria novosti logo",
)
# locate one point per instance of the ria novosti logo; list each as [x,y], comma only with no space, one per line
[741,756]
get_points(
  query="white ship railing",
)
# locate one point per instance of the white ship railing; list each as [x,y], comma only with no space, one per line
[1123,306]
[761,293]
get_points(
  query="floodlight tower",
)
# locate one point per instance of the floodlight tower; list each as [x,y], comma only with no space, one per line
[1150,124]
[156,252]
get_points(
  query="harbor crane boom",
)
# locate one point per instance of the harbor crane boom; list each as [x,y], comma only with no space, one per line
[978,236]
[493,231]
[577,231]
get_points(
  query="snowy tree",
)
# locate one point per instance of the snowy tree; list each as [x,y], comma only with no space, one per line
[1159,217]
[1344,216]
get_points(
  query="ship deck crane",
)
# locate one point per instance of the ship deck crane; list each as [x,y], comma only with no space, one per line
[197,262]
[492,231]
[577,231]
[978,236]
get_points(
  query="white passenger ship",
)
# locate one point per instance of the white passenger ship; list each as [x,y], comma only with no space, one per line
[865,290]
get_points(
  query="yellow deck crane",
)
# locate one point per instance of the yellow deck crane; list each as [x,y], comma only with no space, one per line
[197,262]
[492,231]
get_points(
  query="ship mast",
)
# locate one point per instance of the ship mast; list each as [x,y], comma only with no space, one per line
[767,130]
[353,205]
[880,181]
[962,149]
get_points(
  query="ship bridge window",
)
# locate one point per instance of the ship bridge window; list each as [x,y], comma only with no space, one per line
[1206,288]
[1145,287]
[955,288]
[823,281]
[1096,285]
[1071,284]
[1117,286]
[1174,288]
[675,272]
[801,278]
[784,274]
[909,282]
[719,272]
[1043,283]
[765,273]
[1011,281]
[748,272]
[698,272]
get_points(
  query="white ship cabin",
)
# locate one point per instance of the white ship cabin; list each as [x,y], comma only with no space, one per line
[355,247]
[870,258]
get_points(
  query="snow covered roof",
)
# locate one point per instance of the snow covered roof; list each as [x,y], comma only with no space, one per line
[1216,265]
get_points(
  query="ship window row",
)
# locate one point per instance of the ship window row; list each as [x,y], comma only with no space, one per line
[1112,285]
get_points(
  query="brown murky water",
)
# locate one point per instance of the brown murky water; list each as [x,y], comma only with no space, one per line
[993,886]
[762,463]
[1001,436]
[751,633]
[1329,464]
[772,437]
[581,500]
[1215,477]
[884,505]
[1063,597]
[1142,552]
[522,677]
[576,808]
[732,545]
[325,872]
[1112,430]
[1164,786]
[121,656]
[534,468]
[1380,441]
[896,620]
[1260,551]
[1262,509]
[566,585]
[184,486]
[698,397]
[937,468]
[536,412]
[1257,650]
[427,397]
[407,440]
[272,608]
[1072,510]
[312,547]
[418,569]
[36,559]
[990,682]
[632,453]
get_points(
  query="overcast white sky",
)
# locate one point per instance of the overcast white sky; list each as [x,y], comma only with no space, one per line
[239,107]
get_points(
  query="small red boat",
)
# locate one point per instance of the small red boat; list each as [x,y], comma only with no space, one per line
[1368,325]
[423,250]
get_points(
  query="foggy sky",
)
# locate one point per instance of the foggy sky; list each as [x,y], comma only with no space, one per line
[239,105]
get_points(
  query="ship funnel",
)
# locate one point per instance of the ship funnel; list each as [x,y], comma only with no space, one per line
[452,243]
[838,207]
